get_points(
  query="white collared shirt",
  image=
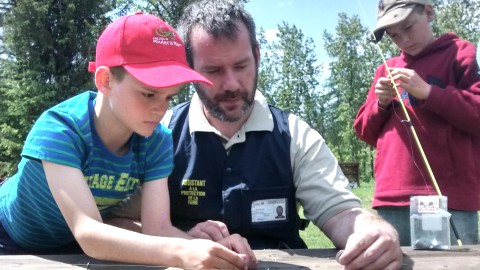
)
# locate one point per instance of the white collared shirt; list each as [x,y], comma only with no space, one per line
[322,189]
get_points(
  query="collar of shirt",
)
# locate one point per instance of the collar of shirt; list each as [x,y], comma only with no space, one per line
[260,118]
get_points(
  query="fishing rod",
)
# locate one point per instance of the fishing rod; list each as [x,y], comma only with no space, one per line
[411,127]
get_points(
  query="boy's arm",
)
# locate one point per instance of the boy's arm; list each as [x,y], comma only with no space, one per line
[371,117]
[460,104]
[155,199]
[105,242]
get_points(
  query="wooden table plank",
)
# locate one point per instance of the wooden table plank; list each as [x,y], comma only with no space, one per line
[467,258]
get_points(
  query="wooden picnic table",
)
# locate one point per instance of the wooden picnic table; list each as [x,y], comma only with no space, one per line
[465,258]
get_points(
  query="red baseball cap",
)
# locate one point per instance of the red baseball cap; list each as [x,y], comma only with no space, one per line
[148,48]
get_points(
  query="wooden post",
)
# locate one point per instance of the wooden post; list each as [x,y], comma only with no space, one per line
[351,171]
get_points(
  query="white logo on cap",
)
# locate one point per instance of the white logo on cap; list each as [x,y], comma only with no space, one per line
[165,37]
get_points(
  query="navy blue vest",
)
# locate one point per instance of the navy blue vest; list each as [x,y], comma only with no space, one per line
[208,184]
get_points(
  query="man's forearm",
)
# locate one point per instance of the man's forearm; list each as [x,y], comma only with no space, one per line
[355,220]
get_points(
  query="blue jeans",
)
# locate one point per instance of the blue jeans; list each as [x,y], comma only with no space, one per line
[466,223]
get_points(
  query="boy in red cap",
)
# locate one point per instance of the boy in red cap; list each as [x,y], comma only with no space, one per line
[439,84]
[86,154]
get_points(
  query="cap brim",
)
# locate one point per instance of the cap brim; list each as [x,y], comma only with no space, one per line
[392,17]
[166,74]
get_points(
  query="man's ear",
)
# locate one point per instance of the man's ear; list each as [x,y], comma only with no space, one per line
[103,78]
[257,52]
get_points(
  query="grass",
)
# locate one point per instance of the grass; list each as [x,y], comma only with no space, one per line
[314,238]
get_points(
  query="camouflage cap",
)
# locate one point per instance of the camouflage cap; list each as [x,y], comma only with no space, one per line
[391,12]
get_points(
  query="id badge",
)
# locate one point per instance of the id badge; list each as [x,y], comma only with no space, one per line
[269,210]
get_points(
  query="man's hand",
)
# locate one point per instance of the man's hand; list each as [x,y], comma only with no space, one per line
[210,229]
[372,249]
[369,242]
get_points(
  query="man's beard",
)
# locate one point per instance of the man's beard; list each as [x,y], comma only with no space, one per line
[213,104]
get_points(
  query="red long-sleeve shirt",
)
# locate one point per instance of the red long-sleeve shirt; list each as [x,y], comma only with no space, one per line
[447,124]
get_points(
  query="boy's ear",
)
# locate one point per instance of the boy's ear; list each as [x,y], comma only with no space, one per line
[103,77]
[430,13]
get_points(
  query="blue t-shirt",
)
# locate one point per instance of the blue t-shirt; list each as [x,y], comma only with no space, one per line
[65,134]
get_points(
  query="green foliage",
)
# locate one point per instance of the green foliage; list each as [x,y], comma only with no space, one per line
[288,74]
[169,10]
[267,75]
[48,45]
[353,67]
[460,16]
[347,87]
[314,238]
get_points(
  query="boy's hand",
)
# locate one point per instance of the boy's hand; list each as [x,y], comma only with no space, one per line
[206,254]
[240,245]
[384,91]
[210,229]
[409,80]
